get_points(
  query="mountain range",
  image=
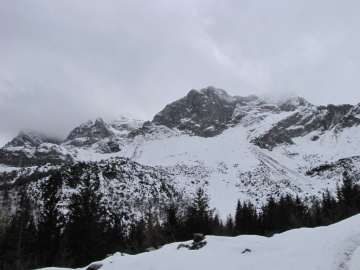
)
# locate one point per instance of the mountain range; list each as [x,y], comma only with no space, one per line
[247,148]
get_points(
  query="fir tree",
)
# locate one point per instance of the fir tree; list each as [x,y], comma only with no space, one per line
[18,249]
[50,221]
[199,215]
[229,225]
[172,226]
[85,230]
[116,232]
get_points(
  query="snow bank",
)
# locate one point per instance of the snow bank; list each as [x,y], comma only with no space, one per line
[332,247]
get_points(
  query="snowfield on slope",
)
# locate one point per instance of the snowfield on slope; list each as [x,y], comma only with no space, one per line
[334,247]
[231,168]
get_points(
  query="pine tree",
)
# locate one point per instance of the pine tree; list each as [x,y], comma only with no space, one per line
[136,237]
[330,209]
[270,217]
[18,249]
[300,214]
[349,197]
[85,230]
[172,226]
[217,226]
[50,221]
[199,215]
[229,225]
[116,232]
[238,218]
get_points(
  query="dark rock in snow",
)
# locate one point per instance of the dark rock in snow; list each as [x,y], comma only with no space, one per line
[89,133]
[273,137]
[30,139]
[204,113]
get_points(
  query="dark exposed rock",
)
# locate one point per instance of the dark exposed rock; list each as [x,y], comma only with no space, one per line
[134,133]
[95,266]
[314,138]
[291,104]
[210,111]
[31,149]
[30,139]
[89,133]
[348,165]
[24,158]
[146,126]
[198,242]
[113,146]
[204,113]
[335,114]
[307,120]
[273,137]
[352,118]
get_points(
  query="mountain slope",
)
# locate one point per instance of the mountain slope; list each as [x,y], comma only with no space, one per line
[247,148]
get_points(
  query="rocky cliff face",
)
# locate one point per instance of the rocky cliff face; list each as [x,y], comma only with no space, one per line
[30,139]
[28,149]
[22,150]
[209,111]
[245,147]
[89,133]
[204,113]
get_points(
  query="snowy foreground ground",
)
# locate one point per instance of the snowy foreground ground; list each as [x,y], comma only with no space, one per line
[332,247]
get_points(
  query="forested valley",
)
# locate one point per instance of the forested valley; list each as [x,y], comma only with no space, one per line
[88,231]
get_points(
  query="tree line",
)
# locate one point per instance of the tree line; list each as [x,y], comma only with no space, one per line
[88,230]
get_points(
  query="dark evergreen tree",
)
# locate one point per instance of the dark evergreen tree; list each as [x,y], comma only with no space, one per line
[238,218]
[136,238]
[172,225]
[217,226]
[330,211]
[348,197]
[18,250]
[246,218]
[199,216]
[116,232]
[50,221]
[85,230]
[229,226]
[270,217]
[300,214]
[315,214]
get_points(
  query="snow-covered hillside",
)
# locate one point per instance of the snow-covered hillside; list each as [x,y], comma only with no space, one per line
[335,247]
[247,148]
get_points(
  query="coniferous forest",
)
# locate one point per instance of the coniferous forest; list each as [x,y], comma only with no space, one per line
[88,231]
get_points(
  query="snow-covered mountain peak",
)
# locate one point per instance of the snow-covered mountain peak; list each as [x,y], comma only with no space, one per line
[30,139]
[276,97]
[98,134]
[293,103]
[212,92]
[99,121]
[248,147]
[126,125]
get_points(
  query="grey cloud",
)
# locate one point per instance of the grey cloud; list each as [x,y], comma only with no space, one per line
[65,62]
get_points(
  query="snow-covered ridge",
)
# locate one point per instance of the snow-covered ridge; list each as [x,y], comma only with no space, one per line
[333,247]
[262,148]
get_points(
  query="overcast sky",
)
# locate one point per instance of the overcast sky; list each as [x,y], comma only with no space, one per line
[66,61]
